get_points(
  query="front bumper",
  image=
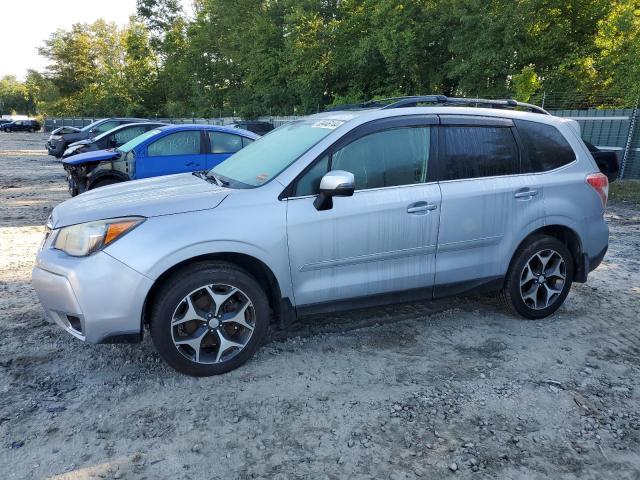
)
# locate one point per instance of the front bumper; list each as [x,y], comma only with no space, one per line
[97,299]
[55,148]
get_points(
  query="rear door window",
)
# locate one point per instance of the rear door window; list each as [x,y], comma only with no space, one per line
[545,148]
[222,142]
[477,151]
[105,127]
[126,134]
[178,143]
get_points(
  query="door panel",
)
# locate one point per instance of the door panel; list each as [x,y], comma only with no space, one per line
[482,217]
[479,223]
[366,244]
[383,238]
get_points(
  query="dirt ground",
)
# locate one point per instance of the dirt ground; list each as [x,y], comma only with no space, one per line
[432,390]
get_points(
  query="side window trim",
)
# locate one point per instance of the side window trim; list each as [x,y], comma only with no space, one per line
[363,130]
[205,142]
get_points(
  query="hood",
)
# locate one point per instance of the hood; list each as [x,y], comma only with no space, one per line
[86,141]
[151,197]
[95,156]
[64,130]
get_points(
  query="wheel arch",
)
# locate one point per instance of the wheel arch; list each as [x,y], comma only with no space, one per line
[254,266]
[104,174]
[566,235]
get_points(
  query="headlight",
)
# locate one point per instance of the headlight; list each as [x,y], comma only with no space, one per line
[86,238]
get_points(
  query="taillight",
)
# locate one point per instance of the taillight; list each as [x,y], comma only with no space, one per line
[600,184]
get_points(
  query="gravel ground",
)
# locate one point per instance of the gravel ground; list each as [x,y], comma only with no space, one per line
[431,390]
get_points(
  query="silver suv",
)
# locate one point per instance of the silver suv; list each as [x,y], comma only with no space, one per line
[340,210]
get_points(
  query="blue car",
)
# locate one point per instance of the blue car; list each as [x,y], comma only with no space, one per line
[161,151]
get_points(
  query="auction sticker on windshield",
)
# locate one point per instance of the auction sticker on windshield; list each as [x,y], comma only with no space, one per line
[330,124]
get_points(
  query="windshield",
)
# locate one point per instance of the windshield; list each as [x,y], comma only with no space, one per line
[91,125]
[264,159]
[133,143]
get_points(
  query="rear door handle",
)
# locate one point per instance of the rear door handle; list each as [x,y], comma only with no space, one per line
[526,194]
[421,207]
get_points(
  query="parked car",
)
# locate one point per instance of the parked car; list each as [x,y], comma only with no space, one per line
[116,137]
[62,137]
[162,151]
[334,211]
[607,161]
[261,128]
[21,126]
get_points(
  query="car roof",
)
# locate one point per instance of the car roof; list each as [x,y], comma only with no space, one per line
[137,124]
[133,119]
[365,115]
[213,128]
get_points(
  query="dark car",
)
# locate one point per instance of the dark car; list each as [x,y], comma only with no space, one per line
[62,137]
[113,138]
[607,161]
[21,126]
[259,128]
[4,120]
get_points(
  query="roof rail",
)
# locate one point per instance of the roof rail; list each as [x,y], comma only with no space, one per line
[441,100]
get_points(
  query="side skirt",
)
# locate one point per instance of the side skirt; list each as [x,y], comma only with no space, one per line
[486,285]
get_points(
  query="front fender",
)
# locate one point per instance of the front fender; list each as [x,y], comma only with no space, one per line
[165,241]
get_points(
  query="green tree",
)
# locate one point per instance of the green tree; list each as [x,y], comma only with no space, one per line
[14,97]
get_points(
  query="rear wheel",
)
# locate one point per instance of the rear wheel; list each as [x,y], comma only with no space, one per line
[539,277]
[31,130]
[209,319]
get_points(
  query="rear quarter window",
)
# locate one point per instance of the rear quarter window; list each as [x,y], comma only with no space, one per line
[545,148]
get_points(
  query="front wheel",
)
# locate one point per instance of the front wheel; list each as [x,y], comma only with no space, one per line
[209,319]
[104,182]
[539,277]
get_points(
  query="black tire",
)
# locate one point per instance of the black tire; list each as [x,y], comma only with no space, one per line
[512,294]
[191,278]
[31,130]
[104,182]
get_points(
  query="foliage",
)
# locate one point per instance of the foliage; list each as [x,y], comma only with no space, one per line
[13,95]
[252,57]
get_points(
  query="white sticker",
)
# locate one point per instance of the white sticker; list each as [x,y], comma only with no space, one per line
[330,124]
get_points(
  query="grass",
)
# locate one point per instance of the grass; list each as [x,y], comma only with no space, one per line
[625,191]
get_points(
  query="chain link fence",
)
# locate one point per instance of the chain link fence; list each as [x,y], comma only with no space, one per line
[608,129]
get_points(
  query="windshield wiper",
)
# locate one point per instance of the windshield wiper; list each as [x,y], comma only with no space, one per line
[219,181]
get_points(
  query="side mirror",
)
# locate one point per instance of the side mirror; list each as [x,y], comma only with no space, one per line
[336,183]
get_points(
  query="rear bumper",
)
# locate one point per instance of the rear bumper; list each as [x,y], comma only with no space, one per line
[595,244]
[594,262]
[97,299]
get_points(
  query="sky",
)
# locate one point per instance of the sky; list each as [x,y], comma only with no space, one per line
[26,24]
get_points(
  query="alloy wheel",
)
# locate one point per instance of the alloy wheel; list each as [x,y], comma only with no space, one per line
[213,323]
[542,279]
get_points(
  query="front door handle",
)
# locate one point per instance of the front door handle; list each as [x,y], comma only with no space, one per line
[526,194]
[421,207]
